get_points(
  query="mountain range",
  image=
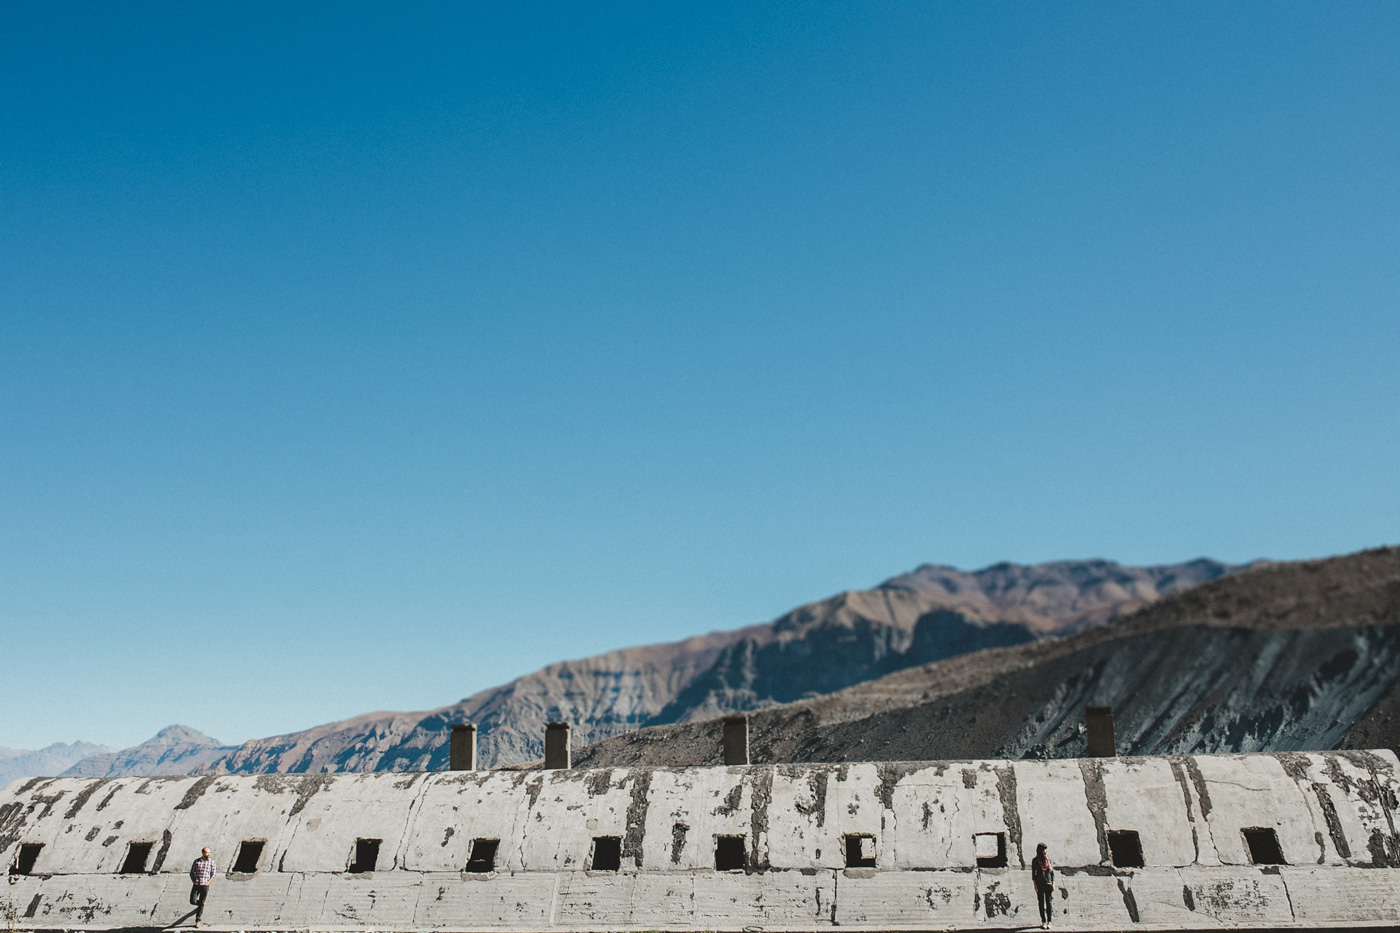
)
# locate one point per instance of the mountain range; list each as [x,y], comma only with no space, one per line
[1283,657]
[16,763]
[173,750]
[929,614]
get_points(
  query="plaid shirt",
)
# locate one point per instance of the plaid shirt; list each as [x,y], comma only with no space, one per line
[202,871]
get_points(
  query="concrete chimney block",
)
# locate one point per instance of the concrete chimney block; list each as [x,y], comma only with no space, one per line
[557,753]
[1099,720]
[736,740]
[461,753]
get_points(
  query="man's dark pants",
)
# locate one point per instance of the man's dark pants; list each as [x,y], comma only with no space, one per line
[197,895]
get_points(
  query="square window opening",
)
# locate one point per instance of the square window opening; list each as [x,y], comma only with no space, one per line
[249,853]
[1262,842]
[607,853]
[1125,847]
[136,856]
[990,849]
[729,853]
[366,856]
[483,855]
[24,861]
[860,851]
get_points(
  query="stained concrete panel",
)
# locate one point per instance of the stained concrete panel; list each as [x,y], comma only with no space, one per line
[905,900]
[505,901]
[804,831]
[1143,795]
[1053,809]
[1256,791]
[1314,893]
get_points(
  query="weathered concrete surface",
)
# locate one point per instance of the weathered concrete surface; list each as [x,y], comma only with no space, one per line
[1334,815]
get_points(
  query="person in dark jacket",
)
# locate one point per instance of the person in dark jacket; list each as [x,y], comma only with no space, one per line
[1043,874]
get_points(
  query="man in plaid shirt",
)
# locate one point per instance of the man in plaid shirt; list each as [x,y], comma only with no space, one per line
[201,873]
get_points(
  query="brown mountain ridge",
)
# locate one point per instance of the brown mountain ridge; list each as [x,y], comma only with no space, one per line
[931,613]
[1283,657]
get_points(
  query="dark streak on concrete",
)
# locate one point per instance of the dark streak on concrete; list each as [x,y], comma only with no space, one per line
[1098,803]
[27,786]
[1295,766]
[1198,781]
[761,796]
[1337,775]
[969,777]
[1385,853]
[83,797]
[1187,898]
[305,786]
[33,907]
[108,799]
[10,821]
[816,783]
[1334,825]
[1006,790]
[533,789]
[598,781]
[678,832]
[1385,795]
[731,801]
[48,800]
[1366,761]
[93,833]
[1179,772]
[998,903]
[447,835]
[165,839]
[1129,901]
[890,775]
[928,816]
[196,791]
[636,815]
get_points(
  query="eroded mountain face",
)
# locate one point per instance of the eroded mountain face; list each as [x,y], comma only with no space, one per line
[932,613]
[1286,657]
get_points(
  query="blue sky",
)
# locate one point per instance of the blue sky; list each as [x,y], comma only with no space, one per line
[364,356]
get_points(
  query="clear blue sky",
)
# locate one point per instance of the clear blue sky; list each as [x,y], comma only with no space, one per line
[361,357]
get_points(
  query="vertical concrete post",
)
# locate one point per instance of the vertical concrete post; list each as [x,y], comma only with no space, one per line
[557,753]
[1101,740]
[461,753]
[736,740]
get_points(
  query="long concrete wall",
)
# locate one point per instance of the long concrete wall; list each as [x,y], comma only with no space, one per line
[1333,816]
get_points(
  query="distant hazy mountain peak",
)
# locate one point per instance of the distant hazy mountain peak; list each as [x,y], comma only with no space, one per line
[175,749]
[16,763]
[177,735]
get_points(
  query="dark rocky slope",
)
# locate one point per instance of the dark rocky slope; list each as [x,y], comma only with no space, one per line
[1283,657]
[932,613]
